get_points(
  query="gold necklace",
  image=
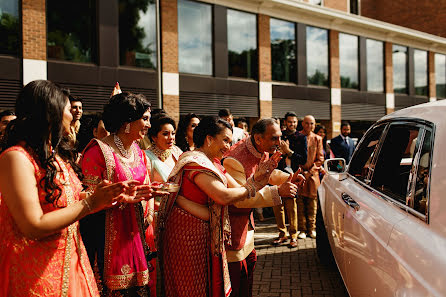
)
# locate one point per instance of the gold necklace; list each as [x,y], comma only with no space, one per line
[162,155]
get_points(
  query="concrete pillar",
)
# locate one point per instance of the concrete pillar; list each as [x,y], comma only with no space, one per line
[169,58]
[34,40]
[388,64]
[265,85]
[335,84]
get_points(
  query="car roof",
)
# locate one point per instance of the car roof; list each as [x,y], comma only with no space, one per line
[434,112]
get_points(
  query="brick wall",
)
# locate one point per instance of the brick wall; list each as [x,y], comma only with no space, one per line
[423,15]
[388,61]
[337,4]
[431,69]
[34,29]
[169,53]
[335,82]
[263,29]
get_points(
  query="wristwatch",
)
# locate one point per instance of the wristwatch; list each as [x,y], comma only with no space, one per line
[290,153]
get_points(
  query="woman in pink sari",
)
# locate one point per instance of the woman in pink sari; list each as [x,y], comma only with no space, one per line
[124,255]
[193,223]
[41,252]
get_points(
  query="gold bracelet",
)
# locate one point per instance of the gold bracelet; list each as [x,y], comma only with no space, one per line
[87,204]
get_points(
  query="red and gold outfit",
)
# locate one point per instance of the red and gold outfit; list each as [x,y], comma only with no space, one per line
[56,265]
[240,163]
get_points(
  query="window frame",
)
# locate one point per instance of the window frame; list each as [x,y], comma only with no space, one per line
[412,177]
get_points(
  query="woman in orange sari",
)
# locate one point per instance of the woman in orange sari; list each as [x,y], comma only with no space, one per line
[41,252]
[193,222]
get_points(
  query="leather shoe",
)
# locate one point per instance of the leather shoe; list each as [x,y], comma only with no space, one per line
[313,234]
[293,243]
[280,240]
[302,235]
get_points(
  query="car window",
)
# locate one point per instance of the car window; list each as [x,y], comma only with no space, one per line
[360,165]
[423,174]
[395,160]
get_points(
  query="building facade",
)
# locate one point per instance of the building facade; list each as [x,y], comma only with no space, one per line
[257,57]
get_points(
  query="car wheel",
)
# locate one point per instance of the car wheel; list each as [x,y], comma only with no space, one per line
[322,244]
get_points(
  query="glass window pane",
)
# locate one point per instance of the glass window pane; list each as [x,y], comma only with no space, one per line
[71,35]
[395,161]
[360,165]
[399,57]
[317,56]
[283,50]
[348,60]
[421,194]
[9,27]
[440,75]
[242,44]
[195,37]
[420,64]
[137,33]
[375,65]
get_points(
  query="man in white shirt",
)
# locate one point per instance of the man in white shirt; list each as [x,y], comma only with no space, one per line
[237,133]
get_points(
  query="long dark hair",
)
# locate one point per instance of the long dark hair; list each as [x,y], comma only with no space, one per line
[181,137]
[39,110]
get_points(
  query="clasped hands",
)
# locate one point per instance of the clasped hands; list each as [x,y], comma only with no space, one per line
[108,194]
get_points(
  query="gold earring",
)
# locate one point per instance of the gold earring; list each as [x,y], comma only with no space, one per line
[127,128]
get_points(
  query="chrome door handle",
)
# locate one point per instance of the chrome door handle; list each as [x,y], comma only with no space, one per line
[350,202]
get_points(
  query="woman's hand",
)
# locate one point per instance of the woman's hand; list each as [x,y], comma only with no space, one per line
[265,168]
[106,194]
[298,179]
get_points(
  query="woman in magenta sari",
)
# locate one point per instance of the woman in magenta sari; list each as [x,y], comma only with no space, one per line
[124,255]
[193,223]
[41,252]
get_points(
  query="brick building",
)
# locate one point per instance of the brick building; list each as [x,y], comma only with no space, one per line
[337,59]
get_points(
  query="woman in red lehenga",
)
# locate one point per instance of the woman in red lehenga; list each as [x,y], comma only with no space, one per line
[193,223]
[117,157]
[41,252]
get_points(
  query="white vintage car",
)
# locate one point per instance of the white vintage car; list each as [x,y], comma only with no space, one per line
[383,217]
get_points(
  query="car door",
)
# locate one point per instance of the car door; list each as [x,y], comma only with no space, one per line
[335,206]
[381,203]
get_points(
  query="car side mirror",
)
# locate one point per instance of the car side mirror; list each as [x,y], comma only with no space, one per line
[335,166]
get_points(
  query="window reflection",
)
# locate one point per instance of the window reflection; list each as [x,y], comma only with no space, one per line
[440,75]
[9,27]
[71,36]
[316,2]
[317,56]
[283,50]
[420,66]
[242,44]
[348,60]
[137,33]
[195,37]
[399,57]
[375,65]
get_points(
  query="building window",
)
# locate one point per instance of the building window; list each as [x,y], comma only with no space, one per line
[440,75]
[375,65]
[242,44]
[315,2]
[283,50]
[71,36]
[137,33]
[317,56]
[9,27]
[420,67]
[354,6]
[399,57]
[348,60]
[195,37]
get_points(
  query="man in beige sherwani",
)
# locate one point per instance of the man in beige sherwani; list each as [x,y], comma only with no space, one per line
[307,201]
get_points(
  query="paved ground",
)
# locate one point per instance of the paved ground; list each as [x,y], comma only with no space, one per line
[285,272]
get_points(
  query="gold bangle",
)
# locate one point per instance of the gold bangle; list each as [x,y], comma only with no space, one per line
[87,204]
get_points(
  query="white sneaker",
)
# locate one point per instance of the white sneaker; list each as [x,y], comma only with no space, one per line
[313,234]
[302,235]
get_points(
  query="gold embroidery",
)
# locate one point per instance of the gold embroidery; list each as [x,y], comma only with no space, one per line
[120,282]
[125,269]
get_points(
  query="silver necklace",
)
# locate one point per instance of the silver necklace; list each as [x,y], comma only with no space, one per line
[120,146]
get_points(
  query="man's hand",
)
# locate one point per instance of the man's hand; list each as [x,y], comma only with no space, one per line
[298,179]
[285,147]
[288,189]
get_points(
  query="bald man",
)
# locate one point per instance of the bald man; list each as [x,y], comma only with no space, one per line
[307,201]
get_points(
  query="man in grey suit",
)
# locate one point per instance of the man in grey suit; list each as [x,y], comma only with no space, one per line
[342,145]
